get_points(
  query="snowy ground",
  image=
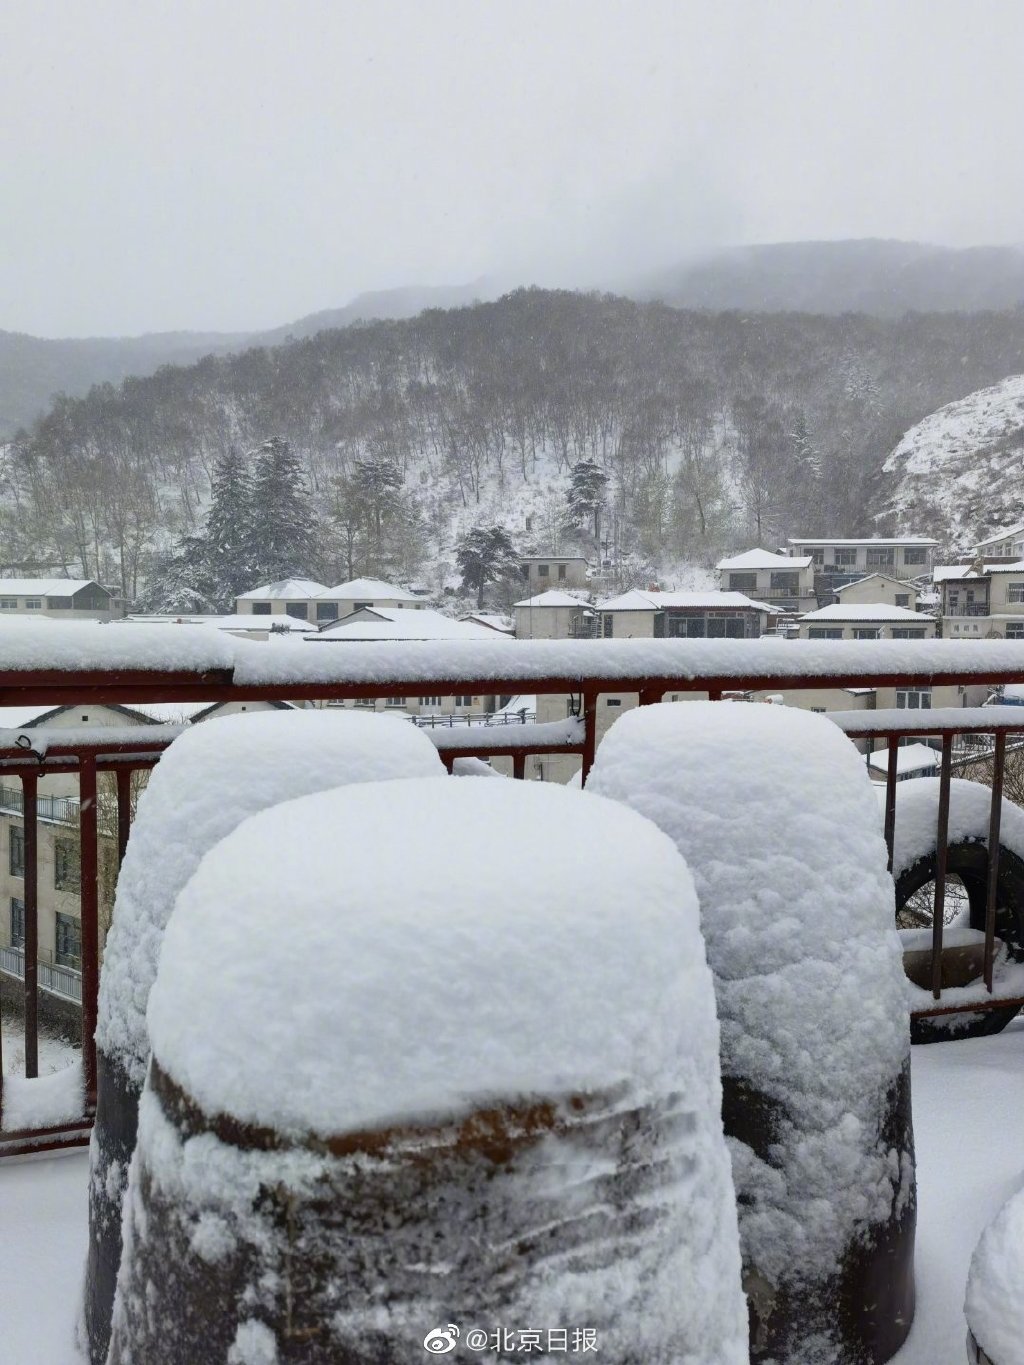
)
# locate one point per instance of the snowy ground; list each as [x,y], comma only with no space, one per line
[968,1099]
[54,1053]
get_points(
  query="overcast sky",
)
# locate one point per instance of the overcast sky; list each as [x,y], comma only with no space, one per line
[234,164]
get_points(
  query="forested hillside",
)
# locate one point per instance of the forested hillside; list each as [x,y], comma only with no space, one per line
[714,431]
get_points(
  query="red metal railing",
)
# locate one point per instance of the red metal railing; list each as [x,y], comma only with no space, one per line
[583,670]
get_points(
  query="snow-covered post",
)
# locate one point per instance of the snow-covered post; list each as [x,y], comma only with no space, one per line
[773,811]
[474,1090]
[994,1307]
[207,783]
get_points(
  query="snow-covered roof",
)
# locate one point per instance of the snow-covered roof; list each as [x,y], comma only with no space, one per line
[886,578]
[19,717]
[944,572]
[397,623]
[1000,535]
[369,588]
[294,589]
[503,624]
[765,559]
[867,611]
[551,598]
[248,621]
[46,587]
[636,600]
[910,758]
[864,540]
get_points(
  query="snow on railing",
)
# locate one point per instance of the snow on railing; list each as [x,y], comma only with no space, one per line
[58,662]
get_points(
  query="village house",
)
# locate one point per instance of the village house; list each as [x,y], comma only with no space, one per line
[288,597]
[306,600]
[1006,544]
[692,615]
[554,615]
[554,571]
[784,581]
[880,588]
[866,621]
[69,599]
[982,601]
[838,562]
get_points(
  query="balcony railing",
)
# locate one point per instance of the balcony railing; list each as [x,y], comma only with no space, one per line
[63,810]
[968,609]
[646,670]
[62,981]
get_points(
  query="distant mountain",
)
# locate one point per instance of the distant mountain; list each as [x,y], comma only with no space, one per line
[884,278]
[959,473]
[384,305]
[33,369]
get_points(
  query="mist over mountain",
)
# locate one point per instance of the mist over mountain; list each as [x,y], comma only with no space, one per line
[879,277]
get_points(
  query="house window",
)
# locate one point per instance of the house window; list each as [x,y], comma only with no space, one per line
[326,611]
[561,570]
[915,557]
[865,633]
[903,599]
[359,606]
[1015,592]
[785,582]
[543,570]
[844,559]
[881,559]
[66,869]
[68,941]
[297,609]
[394,701]
[742,582]
[818,710]
[430,701]
[17,922]
[464,701]
[33,604]
[818,556]
[261,609]
[59,603]
[1015,630]
[908,632]
[824,633]
[613,701]
[17,851]
[8,604]
[607,625]
[914,699]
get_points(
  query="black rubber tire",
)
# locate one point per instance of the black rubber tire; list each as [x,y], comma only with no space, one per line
[968,860]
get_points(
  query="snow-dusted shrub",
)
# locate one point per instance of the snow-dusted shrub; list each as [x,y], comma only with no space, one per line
[413,1086]
[995,1304]
[210,779]
[775,815]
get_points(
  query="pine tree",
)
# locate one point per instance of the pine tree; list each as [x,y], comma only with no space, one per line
[227,537]
[586,495]
[485,555]
[184,586]
[282,524]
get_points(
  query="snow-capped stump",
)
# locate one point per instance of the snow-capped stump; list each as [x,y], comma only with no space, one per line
[967,857]
[209,780]
[398,1090]
[994,1305]
[774,813]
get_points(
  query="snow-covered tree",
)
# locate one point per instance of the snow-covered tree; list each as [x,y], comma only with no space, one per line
[227,537]
[282,525]
[486,555]
[586,495]
[183,585]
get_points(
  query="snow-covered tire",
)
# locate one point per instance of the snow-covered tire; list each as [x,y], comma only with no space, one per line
[968,860]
